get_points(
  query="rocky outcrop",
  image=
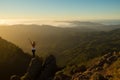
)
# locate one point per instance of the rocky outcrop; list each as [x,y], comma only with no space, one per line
[94,72]
[37,70]
[98,76]
[82,68]
[49,69]
[34,69]
[14,77]
[62,76]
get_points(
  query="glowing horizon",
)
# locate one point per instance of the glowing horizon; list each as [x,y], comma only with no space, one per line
[37,11]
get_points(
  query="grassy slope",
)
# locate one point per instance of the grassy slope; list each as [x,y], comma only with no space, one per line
[114,70]
[94,45]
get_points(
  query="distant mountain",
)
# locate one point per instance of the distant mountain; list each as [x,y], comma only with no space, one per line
[12,60]
[50,38]
[83,25]
[57,40]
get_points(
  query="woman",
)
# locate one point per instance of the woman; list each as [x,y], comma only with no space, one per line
[33,44]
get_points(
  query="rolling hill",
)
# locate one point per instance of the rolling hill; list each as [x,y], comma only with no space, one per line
[51,38]
[79,37]
[93,45]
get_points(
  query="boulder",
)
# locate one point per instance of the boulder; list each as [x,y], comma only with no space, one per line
[81,77]
[101,62]
[98,76]
[111,59]
[62,77]
[49,69]
[14,77]
[34,69]
[99,68]
[107,55]
[82,69]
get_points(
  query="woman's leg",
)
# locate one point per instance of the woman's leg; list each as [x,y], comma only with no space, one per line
[33,51]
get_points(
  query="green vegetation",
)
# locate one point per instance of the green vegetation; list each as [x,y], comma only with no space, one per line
[114,70]
[93,45]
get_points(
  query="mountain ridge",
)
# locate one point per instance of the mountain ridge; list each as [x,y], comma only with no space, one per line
[12,58]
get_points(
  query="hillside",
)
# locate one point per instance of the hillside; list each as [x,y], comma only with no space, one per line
[93,45]
[114,70]
[12,60]
[105,67]
[51,39]
[70,42]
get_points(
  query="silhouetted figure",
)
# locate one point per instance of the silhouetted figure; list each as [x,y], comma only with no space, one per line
[33,44]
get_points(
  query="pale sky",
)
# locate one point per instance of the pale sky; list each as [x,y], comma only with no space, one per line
[46,10]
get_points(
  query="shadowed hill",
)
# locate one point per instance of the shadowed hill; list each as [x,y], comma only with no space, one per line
[12,60]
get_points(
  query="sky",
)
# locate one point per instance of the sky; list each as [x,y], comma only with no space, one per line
[47,10]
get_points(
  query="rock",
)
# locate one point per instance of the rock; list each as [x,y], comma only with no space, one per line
[111,59]
[26,77]
[39,71]
[95,72]
[99,68]
[49,69]
[62,77]
[114,53]
[88,73]
[108,77]
[34,69]
[101,62]
[76,76]
[98,76]
[106,65]
[118,53]
[107,55]
[92,68]
[14,77]
[81,77]
[82,69]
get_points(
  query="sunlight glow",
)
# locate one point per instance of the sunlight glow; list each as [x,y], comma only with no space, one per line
[7,22]
[31,21]
[3,21]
